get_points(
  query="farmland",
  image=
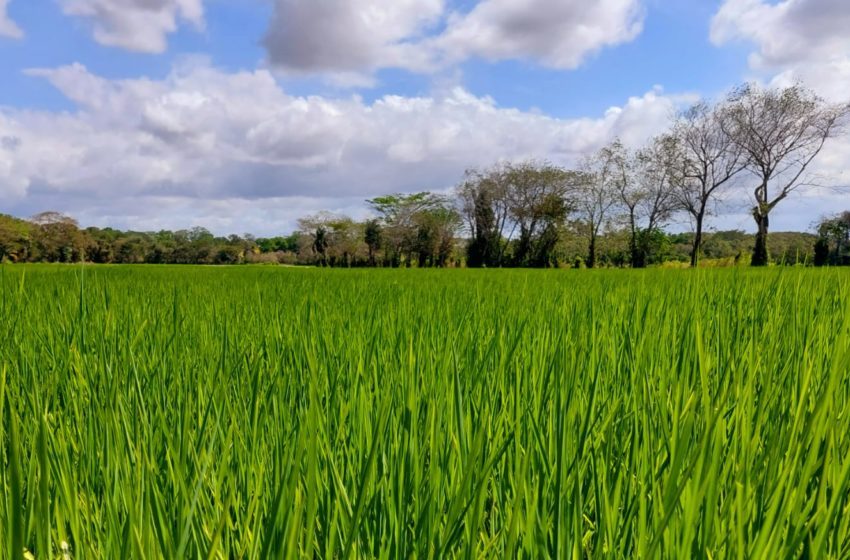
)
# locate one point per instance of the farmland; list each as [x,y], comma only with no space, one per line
[256,412]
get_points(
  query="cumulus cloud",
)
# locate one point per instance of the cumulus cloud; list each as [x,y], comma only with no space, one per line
[355,37]
[558,33]
[794,40]
[349,36]
[8,28]
[799,41]
[136,25]
[236,148]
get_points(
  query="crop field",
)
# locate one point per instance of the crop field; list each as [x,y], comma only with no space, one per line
[168,412]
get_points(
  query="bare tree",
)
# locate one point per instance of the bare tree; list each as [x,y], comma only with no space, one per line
[644,183]
[654,175]
[622,165]
[780,131]
[708,160]
[597,193]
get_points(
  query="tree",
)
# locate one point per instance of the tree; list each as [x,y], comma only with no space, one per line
[346,241]
[332,240]
[484,248]
[15,239]
[58,238]
[780,132]
[708,160]
[373,237]
[316,229]
[536,195]
[129,250]
[484,205]
[655,174]
[597,194]
[418,227]
[435,234]
[833,243]
[320,244]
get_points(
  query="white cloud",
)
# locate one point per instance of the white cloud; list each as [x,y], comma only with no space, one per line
[558,33]
[352,38]
[799,40]
[794,39]
[136,25]
[237,149]
[8,28]
[349,36]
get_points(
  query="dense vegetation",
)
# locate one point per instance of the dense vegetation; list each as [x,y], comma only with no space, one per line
[24,241]
[151,412]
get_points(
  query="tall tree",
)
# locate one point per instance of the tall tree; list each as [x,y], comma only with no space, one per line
[373,236]
[417,228]
[781,132]
[536,195]
[655,177]
[484,204]
[15,238]
[436,229]
[597,194]
[833,241]
[58,238]
[708,160]
[333,239]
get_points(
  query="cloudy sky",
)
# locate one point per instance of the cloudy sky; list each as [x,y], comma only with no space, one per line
[242,115]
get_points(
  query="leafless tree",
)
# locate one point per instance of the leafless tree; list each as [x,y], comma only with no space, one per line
[653,200]
[597,193]
[780,132]
[708,159]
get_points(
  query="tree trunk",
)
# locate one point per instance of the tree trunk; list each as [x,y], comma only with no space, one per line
[591,252]
[760,254]
[633,243]
[697,240]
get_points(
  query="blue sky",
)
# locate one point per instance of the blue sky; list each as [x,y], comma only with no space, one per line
[241,115]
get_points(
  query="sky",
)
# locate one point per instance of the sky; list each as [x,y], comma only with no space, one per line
[244,115]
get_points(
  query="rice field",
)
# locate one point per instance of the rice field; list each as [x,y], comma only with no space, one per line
[191,412]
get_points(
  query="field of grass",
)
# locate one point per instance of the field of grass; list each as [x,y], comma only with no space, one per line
[157,412]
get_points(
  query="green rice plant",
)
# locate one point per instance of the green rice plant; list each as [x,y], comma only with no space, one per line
[192,412]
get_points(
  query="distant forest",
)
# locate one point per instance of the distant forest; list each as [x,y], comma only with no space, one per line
[53,237]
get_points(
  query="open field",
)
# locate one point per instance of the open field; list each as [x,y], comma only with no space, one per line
[158,412]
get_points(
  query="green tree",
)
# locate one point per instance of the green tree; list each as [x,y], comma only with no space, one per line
[58,238]
[416,228]
[15,239]
[538,206]
[484,204]
[833,243]
[373,236]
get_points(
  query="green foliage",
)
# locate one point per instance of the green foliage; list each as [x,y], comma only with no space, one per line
[256,412]
[833,244]
[15,239]
[416,228]
[788,248]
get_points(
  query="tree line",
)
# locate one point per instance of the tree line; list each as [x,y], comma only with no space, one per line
[611,209]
